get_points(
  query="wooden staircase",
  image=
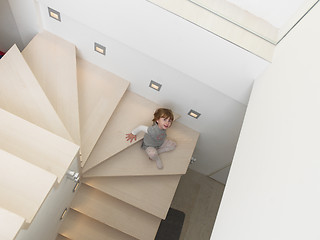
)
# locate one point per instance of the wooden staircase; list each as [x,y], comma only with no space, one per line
[65,102]
[36,148]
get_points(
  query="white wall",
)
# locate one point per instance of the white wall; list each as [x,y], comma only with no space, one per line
[26,18]
[9,33]
[171,40]
[273,187]
[222,175]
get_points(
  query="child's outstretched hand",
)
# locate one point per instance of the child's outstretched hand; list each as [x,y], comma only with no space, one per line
[130,137]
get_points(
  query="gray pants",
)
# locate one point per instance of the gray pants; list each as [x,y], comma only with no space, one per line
[153,152]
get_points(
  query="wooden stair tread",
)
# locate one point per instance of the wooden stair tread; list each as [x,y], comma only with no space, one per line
[115,213]
[36,145]
[23,186]
[10,224]
[80,227]
[152,194]
[99,93]
[132,111]
[60,237]
[133,161]
[22,95]
[53,62]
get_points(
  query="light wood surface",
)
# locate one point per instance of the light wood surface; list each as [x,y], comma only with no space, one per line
[133,161]
[36,145]
[53,62]
[152,194]
[115,213]
[10,224]
[60,237]
[99,94]
[21,94]
[132,111]
[23,186]
[80,227]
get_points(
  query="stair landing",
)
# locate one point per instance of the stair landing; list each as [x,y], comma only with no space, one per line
[132,111]
[133,161]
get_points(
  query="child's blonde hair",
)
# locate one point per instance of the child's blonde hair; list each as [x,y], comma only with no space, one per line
[162,112]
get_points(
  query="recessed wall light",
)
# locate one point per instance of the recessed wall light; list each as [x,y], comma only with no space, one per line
[194,114]
[99,48]
[54,14]
[155,85]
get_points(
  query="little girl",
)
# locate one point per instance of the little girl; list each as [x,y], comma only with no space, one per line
[154,141]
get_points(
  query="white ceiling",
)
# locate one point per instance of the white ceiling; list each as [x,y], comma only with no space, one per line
[276,12]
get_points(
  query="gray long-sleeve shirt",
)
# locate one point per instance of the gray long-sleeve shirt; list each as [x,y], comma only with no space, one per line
[154,136]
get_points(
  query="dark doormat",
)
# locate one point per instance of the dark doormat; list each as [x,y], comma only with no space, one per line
[170,228]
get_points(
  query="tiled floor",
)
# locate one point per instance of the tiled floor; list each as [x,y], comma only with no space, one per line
[199,197]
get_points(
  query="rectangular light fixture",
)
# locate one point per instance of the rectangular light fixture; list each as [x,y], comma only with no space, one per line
[54,14]
[99,48]
[155,85]
[194,114]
